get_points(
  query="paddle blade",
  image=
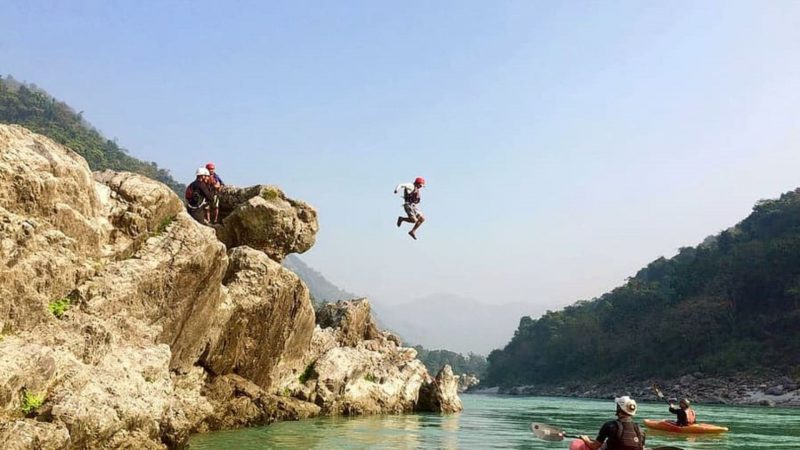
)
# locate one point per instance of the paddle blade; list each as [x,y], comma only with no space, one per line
[547,433]
[658,393]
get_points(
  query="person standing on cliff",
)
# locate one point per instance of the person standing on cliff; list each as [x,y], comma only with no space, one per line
[199,197]
[622,433]
[686,415]
[215,183]
[411,197]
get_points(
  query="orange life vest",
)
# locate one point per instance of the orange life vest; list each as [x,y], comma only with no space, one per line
[691,417]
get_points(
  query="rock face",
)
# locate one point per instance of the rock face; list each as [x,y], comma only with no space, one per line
[467,381]
[441,394]
[263,218]
[268,321]
[126,324]
[353,319]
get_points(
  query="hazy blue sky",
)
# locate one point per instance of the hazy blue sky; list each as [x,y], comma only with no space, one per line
[565,144]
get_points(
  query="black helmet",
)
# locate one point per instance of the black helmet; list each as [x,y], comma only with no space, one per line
[685,401]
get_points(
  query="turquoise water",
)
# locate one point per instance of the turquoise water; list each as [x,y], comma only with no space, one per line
[491,421]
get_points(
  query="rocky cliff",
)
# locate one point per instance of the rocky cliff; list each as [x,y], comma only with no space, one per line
[126,324]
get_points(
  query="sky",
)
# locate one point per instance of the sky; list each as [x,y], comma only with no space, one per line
[565,144]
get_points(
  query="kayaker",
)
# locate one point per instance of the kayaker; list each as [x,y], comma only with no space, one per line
[622,433]
[685,413]
[411,196]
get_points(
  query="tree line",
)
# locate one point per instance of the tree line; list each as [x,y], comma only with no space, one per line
[35,109]
[729,305]
[434,360]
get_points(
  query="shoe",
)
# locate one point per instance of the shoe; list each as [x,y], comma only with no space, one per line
[411,233]
[399,221]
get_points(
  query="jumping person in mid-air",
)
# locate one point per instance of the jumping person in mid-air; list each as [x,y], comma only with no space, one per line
[412,198]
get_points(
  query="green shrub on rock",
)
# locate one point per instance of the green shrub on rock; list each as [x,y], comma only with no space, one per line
[59,307]
[31,402]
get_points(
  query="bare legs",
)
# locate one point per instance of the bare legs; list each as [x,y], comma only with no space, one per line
[417,223]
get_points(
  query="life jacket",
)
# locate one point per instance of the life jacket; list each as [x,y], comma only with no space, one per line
[691,417]
[193,197]
[412,196]
[629,437]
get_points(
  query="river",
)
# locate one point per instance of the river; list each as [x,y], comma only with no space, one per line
[493,421]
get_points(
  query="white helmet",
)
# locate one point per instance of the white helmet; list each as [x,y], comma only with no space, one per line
[202,171]
[626,405]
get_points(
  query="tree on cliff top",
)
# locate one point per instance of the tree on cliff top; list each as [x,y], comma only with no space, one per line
[35,109]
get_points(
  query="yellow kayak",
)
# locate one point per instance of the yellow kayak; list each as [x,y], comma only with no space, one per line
[698,428]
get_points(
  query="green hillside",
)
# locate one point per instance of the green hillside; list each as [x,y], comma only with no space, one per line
[729,305]
[35,109]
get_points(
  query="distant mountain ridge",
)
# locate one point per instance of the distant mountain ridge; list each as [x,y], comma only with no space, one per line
[448,321]
[35,109]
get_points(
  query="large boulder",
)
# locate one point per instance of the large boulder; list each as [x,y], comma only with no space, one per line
[48,229]
[441,393]
[354,368]
[262,217]
[267,322]
[352,319]
[133,208]
[370,378]
[106,292]
[172,284]
[41,179]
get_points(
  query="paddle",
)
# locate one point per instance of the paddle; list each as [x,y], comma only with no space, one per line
[550,433]
[661,394]
[555,434]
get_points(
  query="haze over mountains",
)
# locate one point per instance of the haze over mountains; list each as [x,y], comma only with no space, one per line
[452,322]
[437,321]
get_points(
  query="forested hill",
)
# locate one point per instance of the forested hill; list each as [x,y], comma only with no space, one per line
[322,290]
[35,109]
[731,304]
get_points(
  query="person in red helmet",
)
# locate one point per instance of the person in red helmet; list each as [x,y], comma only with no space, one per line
[216,185]
[411,197]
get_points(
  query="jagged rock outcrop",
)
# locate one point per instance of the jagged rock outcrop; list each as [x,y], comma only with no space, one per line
[47,206]
[126,324]
[262,217]
[467,381]
[352,318]
[441,393]
[356,369]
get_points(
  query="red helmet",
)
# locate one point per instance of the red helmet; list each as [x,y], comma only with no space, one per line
[419,181]
[210,166]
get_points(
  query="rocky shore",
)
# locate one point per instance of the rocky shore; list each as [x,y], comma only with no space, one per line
[126,324]
[743,389]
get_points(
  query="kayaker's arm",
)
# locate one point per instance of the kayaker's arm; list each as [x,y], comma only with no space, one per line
[591,443]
